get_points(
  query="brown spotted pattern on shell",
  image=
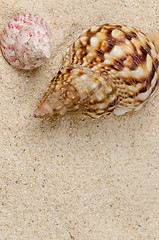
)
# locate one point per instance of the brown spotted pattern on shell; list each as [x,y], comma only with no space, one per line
[108,69]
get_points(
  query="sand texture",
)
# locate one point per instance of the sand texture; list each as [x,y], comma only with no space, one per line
[76,177]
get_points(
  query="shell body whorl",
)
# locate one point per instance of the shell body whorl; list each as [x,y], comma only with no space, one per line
[26,41]
[110,68]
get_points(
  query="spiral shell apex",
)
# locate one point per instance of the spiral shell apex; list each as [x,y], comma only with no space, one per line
[26,41]
[108,69]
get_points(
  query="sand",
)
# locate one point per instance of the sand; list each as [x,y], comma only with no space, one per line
[76,177]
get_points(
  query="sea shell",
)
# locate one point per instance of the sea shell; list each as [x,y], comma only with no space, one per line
[26,41]
[108,69]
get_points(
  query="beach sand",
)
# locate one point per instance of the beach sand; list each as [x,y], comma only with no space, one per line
[76,177]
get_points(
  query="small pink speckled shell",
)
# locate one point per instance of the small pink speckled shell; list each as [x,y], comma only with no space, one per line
[26,41]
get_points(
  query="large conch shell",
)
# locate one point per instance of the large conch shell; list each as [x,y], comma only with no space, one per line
[108,69]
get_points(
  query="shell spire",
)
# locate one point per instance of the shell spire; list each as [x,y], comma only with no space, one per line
[26,41]
[108,69]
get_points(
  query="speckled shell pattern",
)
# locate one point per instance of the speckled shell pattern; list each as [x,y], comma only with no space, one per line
[26,41]
[108,69]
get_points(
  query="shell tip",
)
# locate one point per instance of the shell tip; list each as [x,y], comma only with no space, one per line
[43,110]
